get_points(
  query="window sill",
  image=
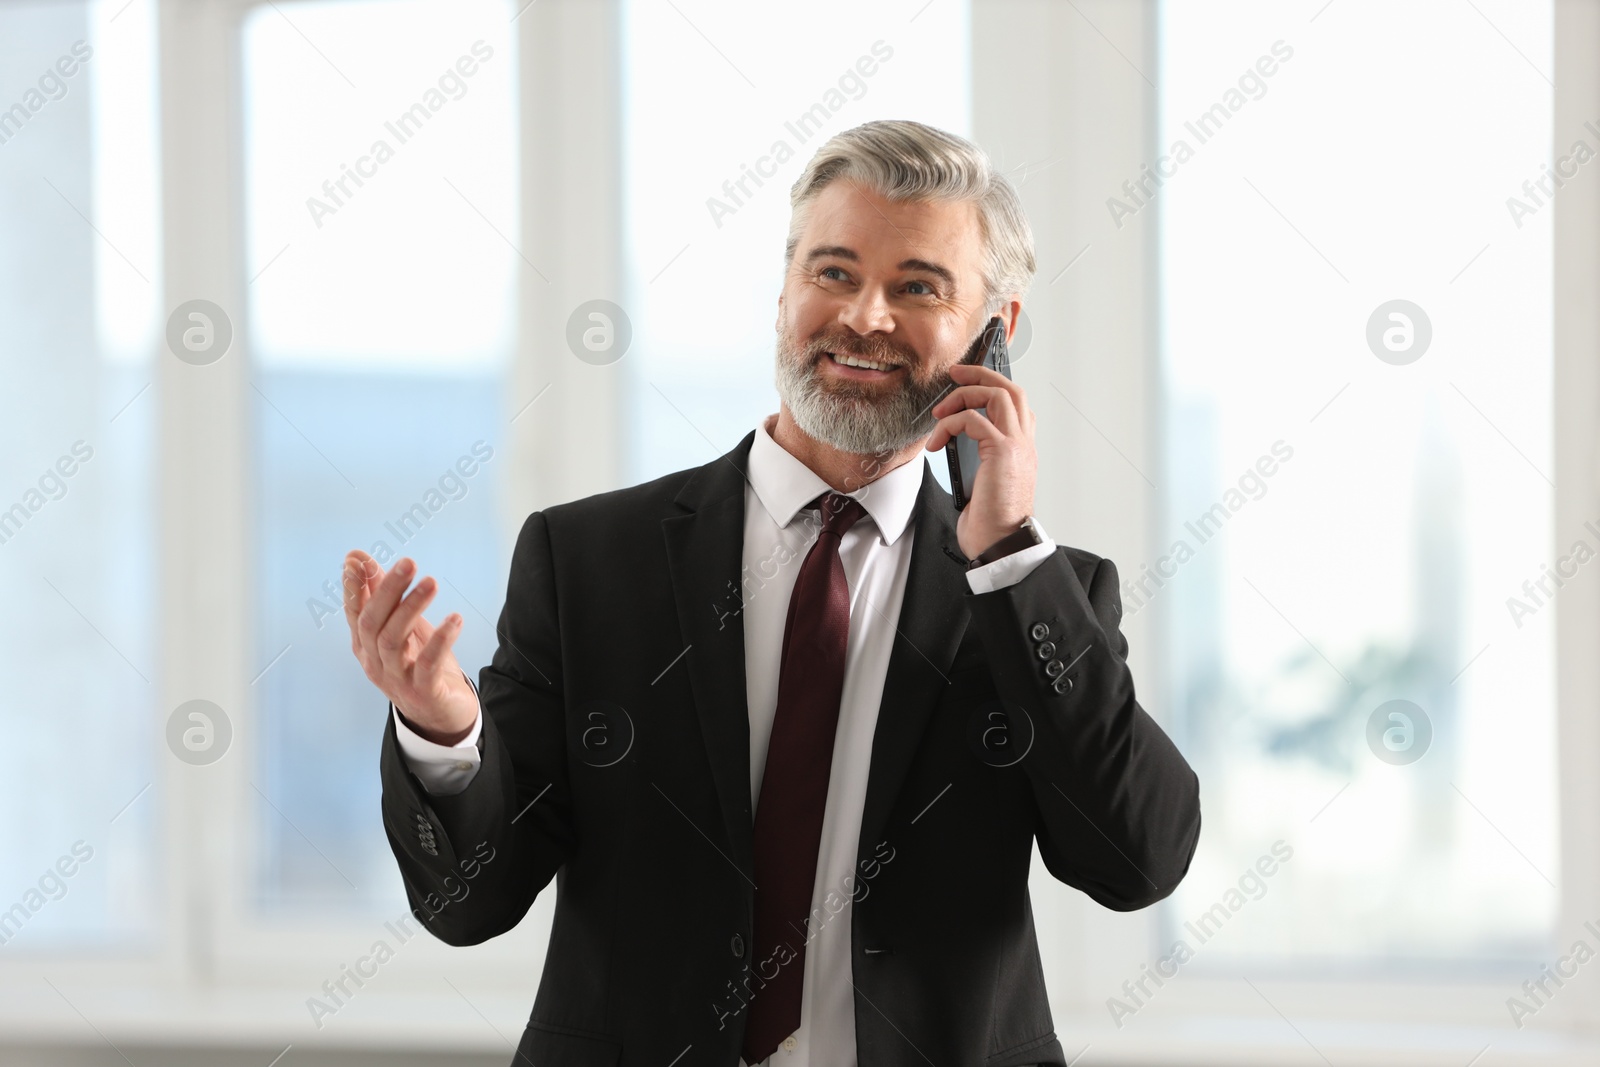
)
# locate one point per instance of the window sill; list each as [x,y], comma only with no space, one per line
[470,1021]
[433,1020]
[1233,1041]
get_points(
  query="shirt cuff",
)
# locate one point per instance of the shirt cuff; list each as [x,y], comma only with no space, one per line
[443,770]
[1009,570]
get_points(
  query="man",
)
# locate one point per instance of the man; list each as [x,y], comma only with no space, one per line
[915,696]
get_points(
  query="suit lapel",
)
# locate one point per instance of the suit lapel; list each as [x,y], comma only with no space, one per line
[705,548]
[933,619]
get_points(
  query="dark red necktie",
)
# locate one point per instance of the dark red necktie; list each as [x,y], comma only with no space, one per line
[794,786]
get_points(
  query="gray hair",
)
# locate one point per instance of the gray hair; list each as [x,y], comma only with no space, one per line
[903,160]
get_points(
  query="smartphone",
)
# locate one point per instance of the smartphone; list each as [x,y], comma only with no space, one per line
[990,351]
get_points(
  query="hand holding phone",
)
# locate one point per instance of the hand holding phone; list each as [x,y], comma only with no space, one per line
[988,350]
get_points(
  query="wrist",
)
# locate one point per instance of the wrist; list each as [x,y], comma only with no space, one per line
[447,738]
[1025,536]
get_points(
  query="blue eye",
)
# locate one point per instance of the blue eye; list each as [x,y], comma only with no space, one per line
[835,270]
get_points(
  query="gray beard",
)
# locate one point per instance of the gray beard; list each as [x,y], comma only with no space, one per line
[859,421]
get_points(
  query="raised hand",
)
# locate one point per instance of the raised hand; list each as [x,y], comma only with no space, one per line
[1002,495]
[402,653]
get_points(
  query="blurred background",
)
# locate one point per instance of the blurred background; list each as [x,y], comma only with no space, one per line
[1312,347]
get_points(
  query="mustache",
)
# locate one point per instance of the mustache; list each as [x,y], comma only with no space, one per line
[875,349]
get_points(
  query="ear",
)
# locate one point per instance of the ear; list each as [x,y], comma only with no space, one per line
[1009,313]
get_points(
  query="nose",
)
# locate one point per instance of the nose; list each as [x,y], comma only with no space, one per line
[867,312]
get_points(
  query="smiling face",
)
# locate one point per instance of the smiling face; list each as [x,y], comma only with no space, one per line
[879,301]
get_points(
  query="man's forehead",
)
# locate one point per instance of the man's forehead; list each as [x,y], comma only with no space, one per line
[858,225]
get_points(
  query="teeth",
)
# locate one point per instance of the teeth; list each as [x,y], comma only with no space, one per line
[856,361]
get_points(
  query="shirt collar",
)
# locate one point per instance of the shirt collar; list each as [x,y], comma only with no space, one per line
[785,486]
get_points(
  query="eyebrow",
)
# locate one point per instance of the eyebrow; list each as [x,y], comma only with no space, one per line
[841,252]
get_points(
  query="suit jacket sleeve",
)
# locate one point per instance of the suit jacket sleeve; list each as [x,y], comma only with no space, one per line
[1119,807]
[474,861]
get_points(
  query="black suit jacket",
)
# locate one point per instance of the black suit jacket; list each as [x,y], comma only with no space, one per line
[615,759]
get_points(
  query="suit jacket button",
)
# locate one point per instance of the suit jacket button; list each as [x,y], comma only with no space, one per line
[1046,650]
[1053,668]
[738,946]
[1062,684]
[1040,631]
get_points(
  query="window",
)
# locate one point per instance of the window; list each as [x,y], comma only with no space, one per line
[1357,375]
[380,150]
[79,310]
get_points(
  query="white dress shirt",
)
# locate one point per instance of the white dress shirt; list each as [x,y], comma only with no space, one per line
[876,555]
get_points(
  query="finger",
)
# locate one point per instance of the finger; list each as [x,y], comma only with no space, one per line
[432,657]
[1006,415]
[978,375]
[394,637]
[969,422]
[361,574]
[962,396]
[382,599]
[358,568]
[1001,408]
[366,572]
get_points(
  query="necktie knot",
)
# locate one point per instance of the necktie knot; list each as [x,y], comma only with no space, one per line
[839,513]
